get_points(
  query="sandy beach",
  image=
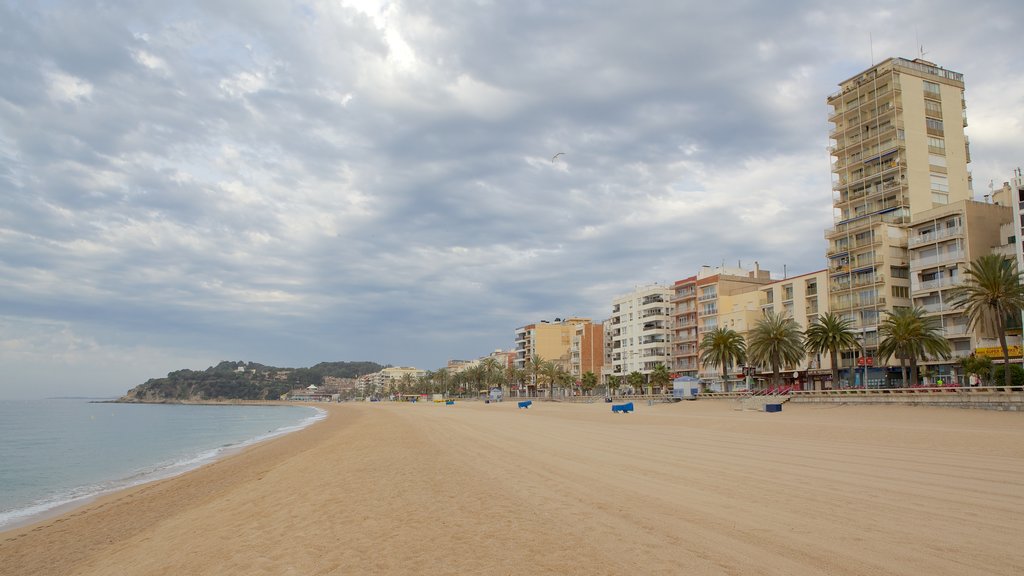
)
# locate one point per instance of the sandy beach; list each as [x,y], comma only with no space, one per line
[690,488]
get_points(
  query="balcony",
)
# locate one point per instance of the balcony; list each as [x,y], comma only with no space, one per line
[937,284]
[868,280]
[861,222]
[955,331]
[653,298]
[937,260]
[935,308]
[934,235]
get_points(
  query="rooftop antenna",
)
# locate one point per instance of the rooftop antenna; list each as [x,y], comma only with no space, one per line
[871,47]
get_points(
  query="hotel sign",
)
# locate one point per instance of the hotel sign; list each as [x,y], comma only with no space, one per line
[997,352]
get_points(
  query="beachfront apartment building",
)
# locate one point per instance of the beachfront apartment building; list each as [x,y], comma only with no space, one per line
[898,148]
[685,344]
[550,341]
[695,311]
[1012,195]
[803,298]
[387,379]
[586,350]
[640,327]
[942,243]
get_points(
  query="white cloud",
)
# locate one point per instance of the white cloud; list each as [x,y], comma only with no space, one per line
[63,87]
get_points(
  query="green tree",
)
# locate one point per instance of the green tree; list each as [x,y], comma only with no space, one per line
[909,335]
[1016,374]
[723,347]
[554,375]
[776,340]
[660,377]
[490,370]
[534,371]
[980,365]
[514,377]
[830,333]
[588,382]
[990,294]
[636,381]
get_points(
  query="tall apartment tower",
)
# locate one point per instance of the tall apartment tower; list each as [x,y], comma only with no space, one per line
[898,148]
[641,329]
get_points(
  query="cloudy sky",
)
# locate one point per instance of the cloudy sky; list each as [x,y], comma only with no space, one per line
[293,182]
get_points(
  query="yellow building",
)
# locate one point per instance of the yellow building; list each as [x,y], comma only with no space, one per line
[551,341]
[898,148]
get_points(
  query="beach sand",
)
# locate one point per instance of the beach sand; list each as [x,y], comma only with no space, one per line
[690,488]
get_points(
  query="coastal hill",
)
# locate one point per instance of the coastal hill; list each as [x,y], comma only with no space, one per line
[241,381]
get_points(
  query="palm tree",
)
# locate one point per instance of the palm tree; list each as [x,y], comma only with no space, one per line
[660,377]
[724,347]
[991,293]
[830,333]
[555,375]
[908,334]
[588,382]
[534,369]
[636,381]
[490,371]
[776,340]
[441,377]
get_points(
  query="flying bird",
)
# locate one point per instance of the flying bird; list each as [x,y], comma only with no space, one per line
[555,157]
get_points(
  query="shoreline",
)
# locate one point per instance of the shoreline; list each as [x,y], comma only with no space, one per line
[479,488]
[50,509]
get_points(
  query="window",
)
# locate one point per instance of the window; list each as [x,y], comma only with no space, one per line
[900,292]
[933,126]
[931,87]
[939,182]
[936,143]
[933,108]
[937,160]
[787,292]
[899,272]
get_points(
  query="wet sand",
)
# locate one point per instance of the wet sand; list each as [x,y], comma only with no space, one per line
[690,488]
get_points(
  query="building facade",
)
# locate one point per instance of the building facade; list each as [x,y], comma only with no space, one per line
[586,350]
[898,148]
[943,241]
[551,341]
[641,330]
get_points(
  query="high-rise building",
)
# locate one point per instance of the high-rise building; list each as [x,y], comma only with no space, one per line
[641,329]
[898,148]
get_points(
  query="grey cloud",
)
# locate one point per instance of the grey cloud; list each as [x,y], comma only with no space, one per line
[264,182]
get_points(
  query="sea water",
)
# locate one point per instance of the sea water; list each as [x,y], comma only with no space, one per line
[58,452]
